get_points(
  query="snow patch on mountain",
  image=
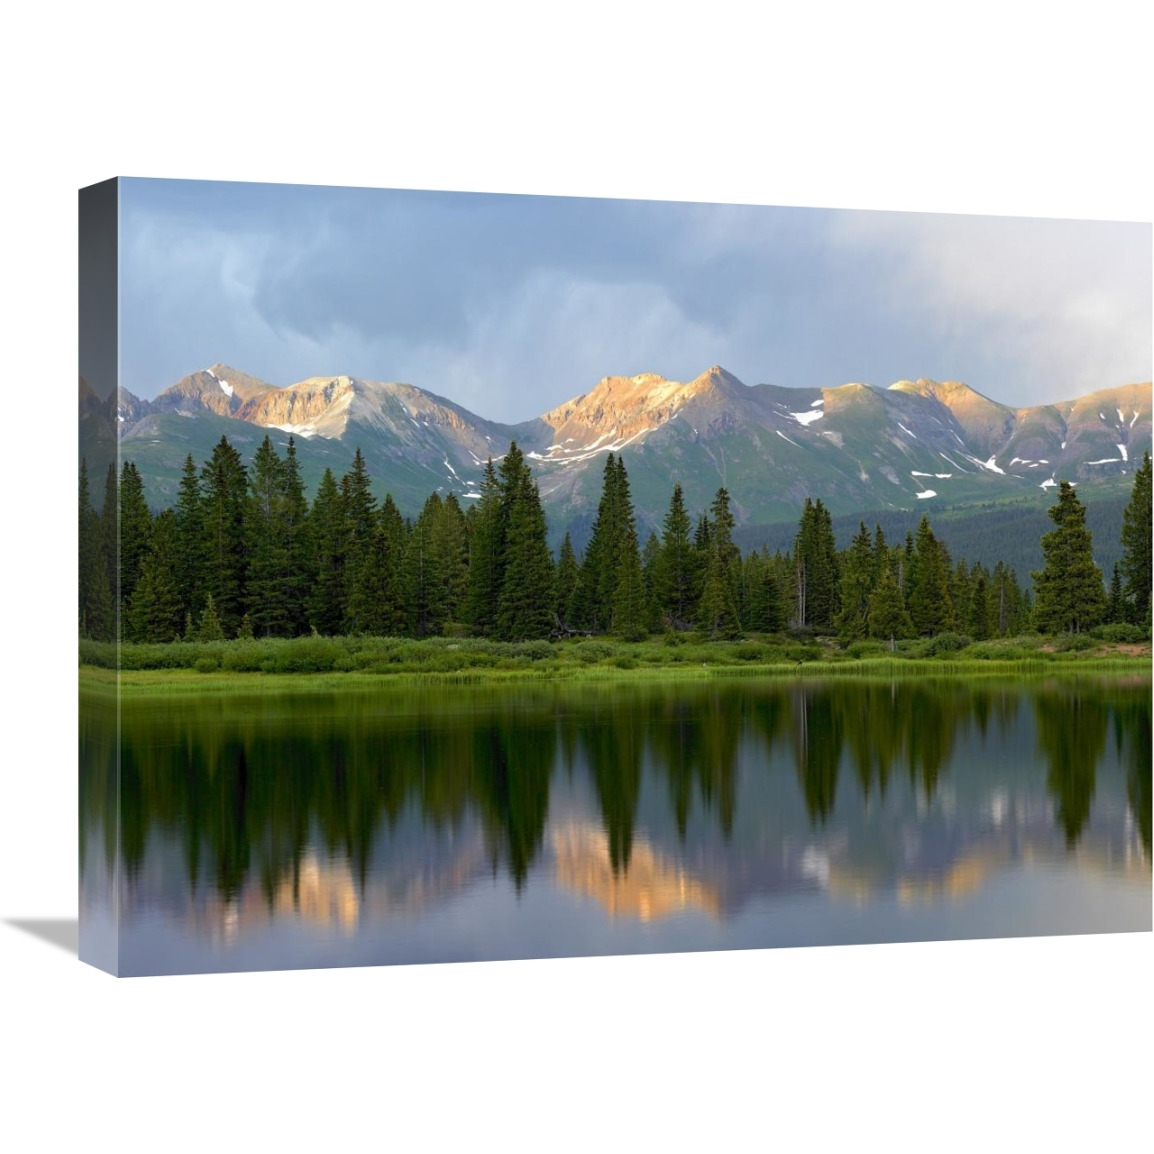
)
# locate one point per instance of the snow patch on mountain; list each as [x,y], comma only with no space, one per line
[927,493]
[808,416]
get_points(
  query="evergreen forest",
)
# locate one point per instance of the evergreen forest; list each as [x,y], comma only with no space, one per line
[245,554]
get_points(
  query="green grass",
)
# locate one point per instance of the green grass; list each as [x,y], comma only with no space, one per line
[323,662]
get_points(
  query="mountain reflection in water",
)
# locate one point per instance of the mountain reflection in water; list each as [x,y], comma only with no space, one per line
[352,827]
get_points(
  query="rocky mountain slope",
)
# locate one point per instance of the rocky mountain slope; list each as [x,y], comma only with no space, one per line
[859,447]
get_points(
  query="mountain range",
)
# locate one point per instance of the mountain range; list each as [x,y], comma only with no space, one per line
[860,448]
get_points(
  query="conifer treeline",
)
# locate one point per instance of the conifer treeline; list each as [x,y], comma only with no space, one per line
[242,553]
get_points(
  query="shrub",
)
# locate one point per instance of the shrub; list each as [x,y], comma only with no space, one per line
[867,649]
[590,652]
[206,664]
[800,653]
[1121,633]
[533,650]
[945,643]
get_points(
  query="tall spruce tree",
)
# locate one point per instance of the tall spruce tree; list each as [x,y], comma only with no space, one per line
[191,539]
[567,570]
[422,581]
[981,618]
[630,605]
[674,576]
[1116,607]
[298,547]
[109,545]
[858,570]
[96,614]
[650,557]
[328,601]
[816,576]
[135,531]
[1068,591]
[761,609]
[270,608]
[592,604]
[525,605]
[1136,533]
[928,584]
[486,556]
[224,485]
[888,619]
[718,613]
[451,543]
[1007,607]
[155,612]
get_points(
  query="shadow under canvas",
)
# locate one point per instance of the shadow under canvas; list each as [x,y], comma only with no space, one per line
[62,932]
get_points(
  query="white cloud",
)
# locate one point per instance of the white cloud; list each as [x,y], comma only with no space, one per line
[554,337]
[1066,304]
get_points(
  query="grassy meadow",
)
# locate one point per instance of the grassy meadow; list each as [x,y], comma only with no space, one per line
[340,661]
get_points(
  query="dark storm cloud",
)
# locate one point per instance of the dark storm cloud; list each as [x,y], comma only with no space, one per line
[513,304]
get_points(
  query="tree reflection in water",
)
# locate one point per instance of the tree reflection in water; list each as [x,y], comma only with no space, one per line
[248,788]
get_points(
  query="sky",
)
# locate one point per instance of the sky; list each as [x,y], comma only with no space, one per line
[510,305]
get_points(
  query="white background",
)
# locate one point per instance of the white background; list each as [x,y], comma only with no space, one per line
[998,1045]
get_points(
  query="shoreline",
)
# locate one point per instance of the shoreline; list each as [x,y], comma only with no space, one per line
[187,681]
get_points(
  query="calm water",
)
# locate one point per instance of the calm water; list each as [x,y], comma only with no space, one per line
[360,828]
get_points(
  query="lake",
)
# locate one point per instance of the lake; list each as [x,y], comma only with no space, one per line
[364,827]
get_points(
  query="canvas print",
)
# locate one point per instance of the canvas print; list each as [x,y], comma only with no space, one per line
[471,577]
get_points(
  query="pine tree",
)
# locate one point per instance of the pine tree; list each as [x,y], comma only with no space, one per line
[422,583]
[1069,597]
[1136,533]
[328,600]
[486,552]
[718,615]
[224,485]
[981,619]
[650,559]
[96,613]
[928,585]
[857,583]
[566,579]
[359,508]
[376,604]
[674,577]
[451,543]
[525,605]
[135,531]
[1009,613]
[761,609]
[888,618]
[268,593]
[210,624]
[298,546]
[816,576]
[592,605]
[1116,607]
[154,610]
[190,538]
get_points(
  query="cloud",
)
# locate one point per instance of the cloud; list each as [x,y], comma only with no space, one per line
[1040,309]
[553,337]
[510,305]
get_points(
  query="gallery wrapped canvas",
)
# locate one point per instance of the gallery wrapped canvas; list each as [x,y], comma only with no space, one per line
[478,577]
